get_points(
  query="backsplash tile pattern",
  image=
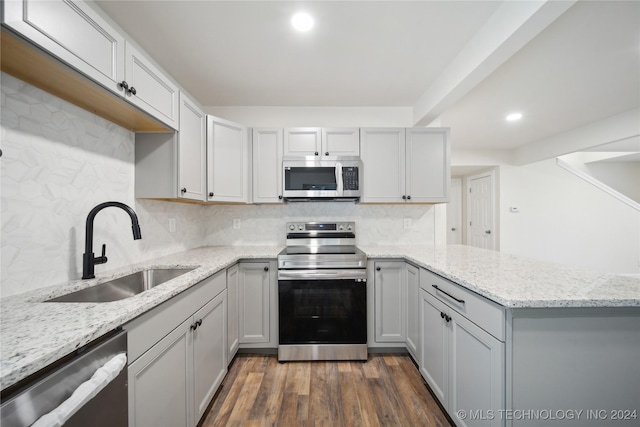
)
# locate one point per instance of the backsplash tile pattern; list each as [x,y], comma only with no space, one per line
[60,161]
[265,224]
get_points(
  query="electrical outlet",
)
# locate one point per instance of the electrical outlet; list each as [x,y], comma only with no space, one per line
[407,223]
[236,223]
[172,225]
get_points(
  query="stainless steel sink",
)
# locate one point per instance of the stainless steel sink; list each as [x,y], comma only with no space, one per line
[123,287]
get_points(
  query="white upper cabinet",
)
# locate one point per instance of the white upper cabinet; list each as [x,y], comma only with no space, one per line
[148,88]
[79,36]
[302,141]
[192,151]
[340,142]
[314,141]
[74,33]
[267,150]
[383,163]
[227,161]
[405,165]
[428,167]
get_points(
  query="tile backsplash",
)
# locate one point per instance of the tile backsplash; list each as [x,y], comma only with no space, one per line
[59,161]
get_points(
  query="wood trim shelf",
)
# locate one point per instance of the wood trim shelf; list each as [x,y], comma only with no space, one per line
[30,64]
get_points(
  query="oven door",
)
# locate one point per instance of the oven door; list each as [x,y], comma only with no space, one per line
[322,307]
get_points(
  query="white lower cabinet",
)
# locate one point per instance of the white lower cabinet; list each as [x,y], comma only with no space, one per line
[159,382]
[233,332]
[413,311]
[178,356]
[390,294]
[463,364]
[254,287]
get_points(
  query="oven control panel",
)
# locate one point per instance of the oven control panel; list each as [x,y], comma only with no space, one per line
[324,227]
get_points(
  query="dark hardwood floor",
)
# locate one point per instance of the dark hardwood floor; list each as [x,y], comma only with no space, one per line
[387,390]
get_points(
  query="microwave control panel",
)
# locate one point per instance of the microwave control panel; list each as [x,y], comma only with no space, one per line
[350,178]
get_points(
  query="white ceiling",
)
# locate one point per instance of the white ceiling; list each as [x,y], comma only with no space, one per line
[438,57]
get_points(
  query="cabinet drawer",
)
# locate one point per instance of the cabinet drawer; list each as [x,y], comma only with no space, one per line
[478,309]
[146,330]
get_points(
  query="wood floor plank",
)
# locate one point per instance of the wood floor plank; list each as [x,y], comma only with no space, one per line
[384,391]
[246,398]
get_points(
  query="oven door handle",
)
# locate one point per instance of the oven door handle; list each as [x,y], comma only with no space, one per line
[349,274]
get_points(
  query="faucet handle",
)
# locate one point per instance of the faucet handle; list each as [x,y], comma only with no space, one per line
[103,258]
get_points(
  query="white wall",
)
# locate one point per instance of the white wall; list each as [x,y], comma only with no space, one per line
[564,219]
[623,177]
[58,162]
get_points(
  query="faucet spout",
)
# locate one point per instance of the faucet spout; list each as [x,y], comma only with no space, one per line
[89,260]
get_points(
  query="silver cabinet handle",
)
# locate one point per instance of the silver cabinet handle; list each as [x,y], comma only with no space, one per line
[461,301]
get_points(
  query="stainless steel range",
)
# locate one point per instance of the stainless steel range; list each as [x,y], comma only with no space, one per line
[322,293]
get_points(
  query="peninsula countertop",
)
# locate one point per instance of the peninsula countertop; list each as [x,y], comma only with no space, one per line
[34,334]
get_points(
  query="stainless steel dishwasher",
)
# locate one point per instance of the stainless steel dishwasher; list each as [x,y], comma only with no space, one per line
[86,388]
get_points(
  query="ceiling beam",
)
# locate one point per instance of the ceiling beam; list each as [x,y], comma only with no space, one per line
[511,27]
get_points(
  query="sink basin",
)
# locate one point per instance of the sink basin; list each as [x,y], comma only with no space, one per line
[123,287]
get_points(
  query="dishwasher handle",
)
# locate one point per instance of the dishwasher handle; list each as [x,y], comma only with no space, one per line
[84,393]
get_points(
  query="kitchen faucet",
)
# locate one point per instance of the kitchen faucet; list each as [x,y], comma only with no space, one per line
[89,260]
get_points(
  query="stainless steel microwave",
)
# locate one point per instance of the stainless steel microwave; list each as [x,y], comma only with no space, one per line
[328,178]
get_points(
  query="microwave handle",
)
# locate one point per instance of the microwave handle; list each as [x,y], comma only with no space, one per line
[339,183]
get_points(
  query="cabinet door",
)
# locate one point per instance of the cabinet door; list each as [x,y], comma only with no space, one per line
[253,285]
[305,141]
[209,352]
[434,354]
[227,161]
[390,282]
[413,311]
[340,142]
[149,88]
[160,381]
[74,33]
[267,165]
[383,157]
[476,375]
[233,337]
[192,154]
[427,162]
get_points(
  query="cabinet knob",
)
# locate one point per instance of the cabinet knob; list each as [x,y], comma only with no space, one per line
[316,153]
[326,153]
[488,231]
[408,197]
[132,90]
[183,190]
[123,85]
[266,268]
[211,194]
[404,197]
[377,268]
[280,197]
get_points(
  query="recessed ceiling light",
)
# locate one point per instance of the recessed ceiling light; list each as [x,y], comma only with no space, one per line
[514,117]
[302,21]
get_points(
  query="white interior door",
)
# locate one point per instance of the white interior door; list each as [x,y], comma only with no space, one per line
[480,211]
[454,213]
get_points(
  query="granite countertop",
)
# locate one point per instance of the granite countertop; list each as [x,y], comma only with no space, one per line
[518,282]
[34,334]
